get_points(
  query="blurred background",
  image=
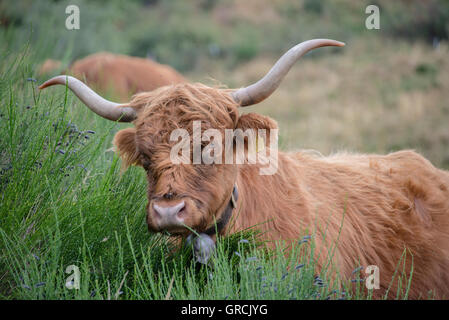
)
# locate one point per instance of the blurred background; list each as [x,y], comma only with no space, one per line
[388,89]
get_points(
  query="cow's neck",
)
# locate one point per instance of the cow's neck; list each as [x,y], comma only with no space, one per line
[272,203]
[225,216]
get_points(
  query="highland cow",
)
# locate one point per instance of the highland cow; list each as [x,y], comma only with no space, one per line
[375,206]
[118,74]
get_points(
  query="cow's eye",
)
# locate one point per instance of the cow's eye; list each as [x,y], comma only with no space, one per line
[145,162]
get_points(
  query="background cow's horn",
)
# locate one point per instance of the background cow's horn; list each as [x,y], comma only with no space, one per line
[263,88]
[107,109]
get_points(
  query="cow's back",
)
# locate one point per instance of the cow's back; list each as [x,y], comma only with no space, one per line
[387,207]
[124,75]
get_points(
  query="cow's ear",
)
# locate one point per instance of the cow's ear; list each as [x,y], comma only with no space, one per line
[256,121]
[125,142]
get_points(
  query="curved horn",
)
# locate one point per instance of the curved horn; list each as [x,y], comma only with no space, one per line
[263,88]
[107,109]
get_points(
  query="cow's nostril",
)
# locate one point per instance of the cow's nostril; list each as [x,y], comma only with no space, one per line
[181,209]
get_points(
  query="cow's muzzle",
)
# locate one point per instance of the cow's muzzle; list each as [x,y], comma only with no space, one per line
[168,216]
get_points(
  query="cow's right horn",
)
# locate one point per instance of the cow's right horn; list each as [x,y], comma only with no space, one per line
[107,109]
[263,88]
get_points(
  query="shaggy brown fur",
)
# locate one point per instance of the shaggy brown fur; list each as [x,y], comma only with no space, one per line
[120,74]
[375,206]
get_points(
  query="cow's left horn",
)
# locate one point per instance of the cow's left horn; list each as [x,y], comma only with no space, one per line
[107,109]
[262,89]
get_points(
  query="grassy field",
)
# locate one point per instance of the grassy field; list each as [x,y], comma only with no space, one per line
[64,200]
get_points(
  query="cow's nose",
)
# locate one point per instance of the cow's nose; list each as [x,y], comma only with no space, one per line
[169,212]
